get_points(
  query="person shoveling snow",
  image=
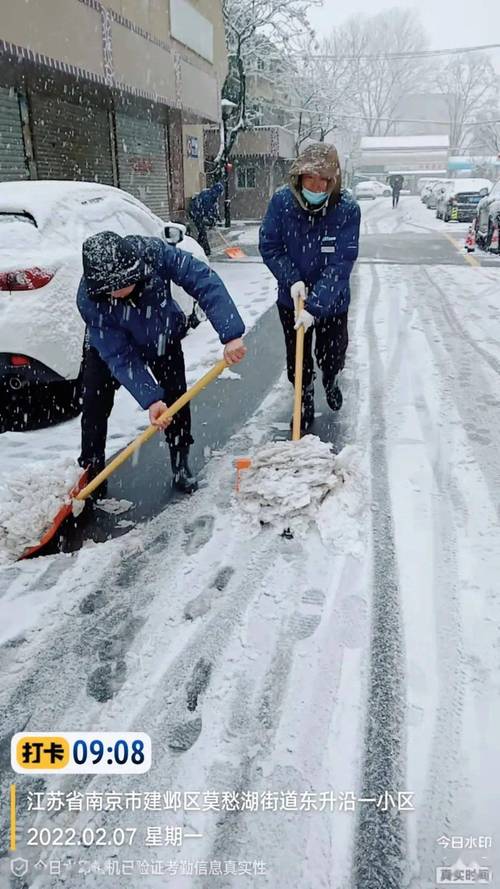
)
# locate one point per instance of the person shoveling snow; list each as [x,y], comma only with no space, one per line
[292,485]
[309,241]
[134,338]
[29,499]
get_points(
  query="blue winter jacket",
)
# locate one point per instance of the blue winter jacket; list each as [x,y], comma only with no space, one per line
[319,248]
[129,333]
[205,205]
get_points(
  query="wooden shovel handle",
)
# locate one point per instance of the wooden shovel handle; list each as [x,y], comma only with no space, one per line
[299,367]
[150,431]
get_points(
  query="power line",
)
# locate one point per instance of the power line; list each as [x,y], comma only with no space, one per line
[420,120]
[423,53]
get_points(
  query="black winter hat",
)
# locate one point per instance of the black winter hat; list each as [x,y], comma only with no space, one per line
[110,262]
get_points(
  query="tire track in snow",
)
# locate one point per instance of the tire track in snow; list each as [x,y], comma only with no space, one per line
[260,701]
[468,377]
[379,853]
[455,323]
[444,779]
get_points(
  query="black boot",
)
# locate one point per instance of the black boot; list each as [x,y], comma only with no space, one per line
[183,479]
[333,395]
[307,414]
[94,468]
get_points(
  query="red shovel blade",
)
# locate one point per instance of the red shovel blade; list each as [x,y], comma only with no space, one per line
[63,513]
[235,253]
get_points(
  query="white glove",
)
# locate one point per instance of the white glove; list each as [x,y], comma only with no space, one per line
[305,320]
[298,291]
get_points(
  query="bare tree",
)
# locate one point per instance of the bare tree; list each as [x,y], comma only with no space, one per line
[256,31]
[382,73]
[487,132]
[320,91]
[468,85]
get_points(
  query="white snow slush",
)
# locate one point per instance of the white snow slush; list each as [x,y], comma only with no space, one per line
[30,499]
[296,484]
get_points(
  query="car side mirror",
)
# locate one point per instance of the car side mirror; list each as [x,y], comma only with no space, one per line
[174,234]
[484,192]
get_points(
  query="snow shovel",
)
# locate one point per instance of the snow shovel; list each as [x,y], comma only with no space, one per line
[243,463]
[82,490]
[299,366]
[232,252]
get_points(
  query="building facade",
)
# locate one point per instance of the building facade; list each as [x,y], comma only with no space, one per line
[113,91]
[411,156]
[260,163]
[262,154]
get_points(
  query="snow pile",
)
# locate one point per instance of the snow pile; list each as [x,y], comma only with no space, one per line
[341,517]
[293,485]
[113,506]
[29,500]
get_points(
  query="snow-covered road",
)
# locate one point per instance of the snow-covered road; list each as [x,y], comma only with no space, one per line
[356,678]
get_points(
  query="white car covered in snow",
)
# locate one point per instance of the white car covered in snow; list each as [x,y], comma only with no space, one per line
[42,228]
[372,189]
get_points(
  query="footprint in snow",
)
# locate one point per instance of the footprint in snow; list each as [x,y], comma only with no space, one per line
[182,736]
[202,603]
[222,578]
[198,533]
[353,622]
[305,622]
[92,602]
[104,683]
[198,683]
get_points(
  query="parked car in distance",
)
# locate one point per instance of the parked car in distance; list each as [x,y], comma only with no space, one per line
[459,200]
[383,188]
[435,193]
[366,190]
[488,217]
[43,225]
[424,183]
[372,188]
[426,190]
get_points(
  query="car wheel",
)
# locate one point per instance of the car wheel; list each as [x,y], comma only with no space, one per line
[39,406]
[64,400]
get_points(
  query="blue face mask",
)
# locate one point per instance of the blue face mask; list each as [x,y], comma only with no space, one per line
[314,197]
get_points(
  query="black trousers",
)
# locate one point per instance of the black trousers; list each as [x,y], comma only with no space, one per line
[202,234]
[98,393]
[395,198]
[330,346]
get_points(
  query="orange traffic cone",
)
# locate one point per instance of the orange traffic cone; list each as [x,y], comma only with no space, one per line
[470,242]
[494,239]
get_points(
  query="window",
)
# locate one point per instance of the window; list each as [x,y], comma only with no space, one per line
[190,27]
[246,177]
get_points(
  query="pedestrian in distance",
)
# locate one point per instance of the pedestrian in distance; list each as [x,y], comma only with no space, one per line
[309,240]
[396,183]
[134,338]
[203,210]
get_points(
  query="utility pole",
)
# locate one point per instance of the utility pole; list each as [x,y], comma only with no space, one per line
[227,109]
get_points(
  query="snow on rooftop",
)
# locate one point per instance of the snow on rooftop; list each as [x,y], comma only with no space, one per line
[370,143]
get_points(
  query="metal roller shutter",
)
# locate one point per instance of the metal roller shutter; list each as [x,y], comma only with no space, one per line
[142,161]
[71,141]
[12,162]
